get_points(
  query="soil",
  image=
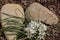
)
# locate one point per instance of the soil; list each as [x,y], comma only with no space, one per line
[52,5]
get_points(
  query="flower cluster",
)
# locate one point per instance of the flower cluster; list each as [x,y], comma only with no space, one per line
[33,27]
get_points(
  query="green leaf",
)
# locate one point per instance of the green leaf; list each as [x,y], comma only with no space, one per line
[12,16]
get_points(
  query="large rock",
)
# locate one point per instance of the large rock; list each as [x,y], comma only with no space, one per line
[14,10]
[38,12]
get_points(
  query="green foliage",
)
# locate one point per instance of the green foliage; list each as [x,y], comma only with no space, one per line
[15,25]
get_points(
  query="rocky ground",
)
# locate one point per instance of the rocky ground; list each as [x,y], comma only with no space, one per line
[53,5]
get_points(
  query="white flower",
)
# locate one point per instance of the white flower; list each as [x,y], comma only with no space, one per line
[29,29]
[32,28]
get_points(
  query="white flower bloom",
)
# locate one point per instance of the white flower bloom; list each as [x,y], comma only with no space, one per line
[33,26]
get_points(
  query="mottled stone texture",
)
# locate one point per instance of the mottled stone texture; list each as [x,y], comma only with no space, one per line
[37,11]
[14,10]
